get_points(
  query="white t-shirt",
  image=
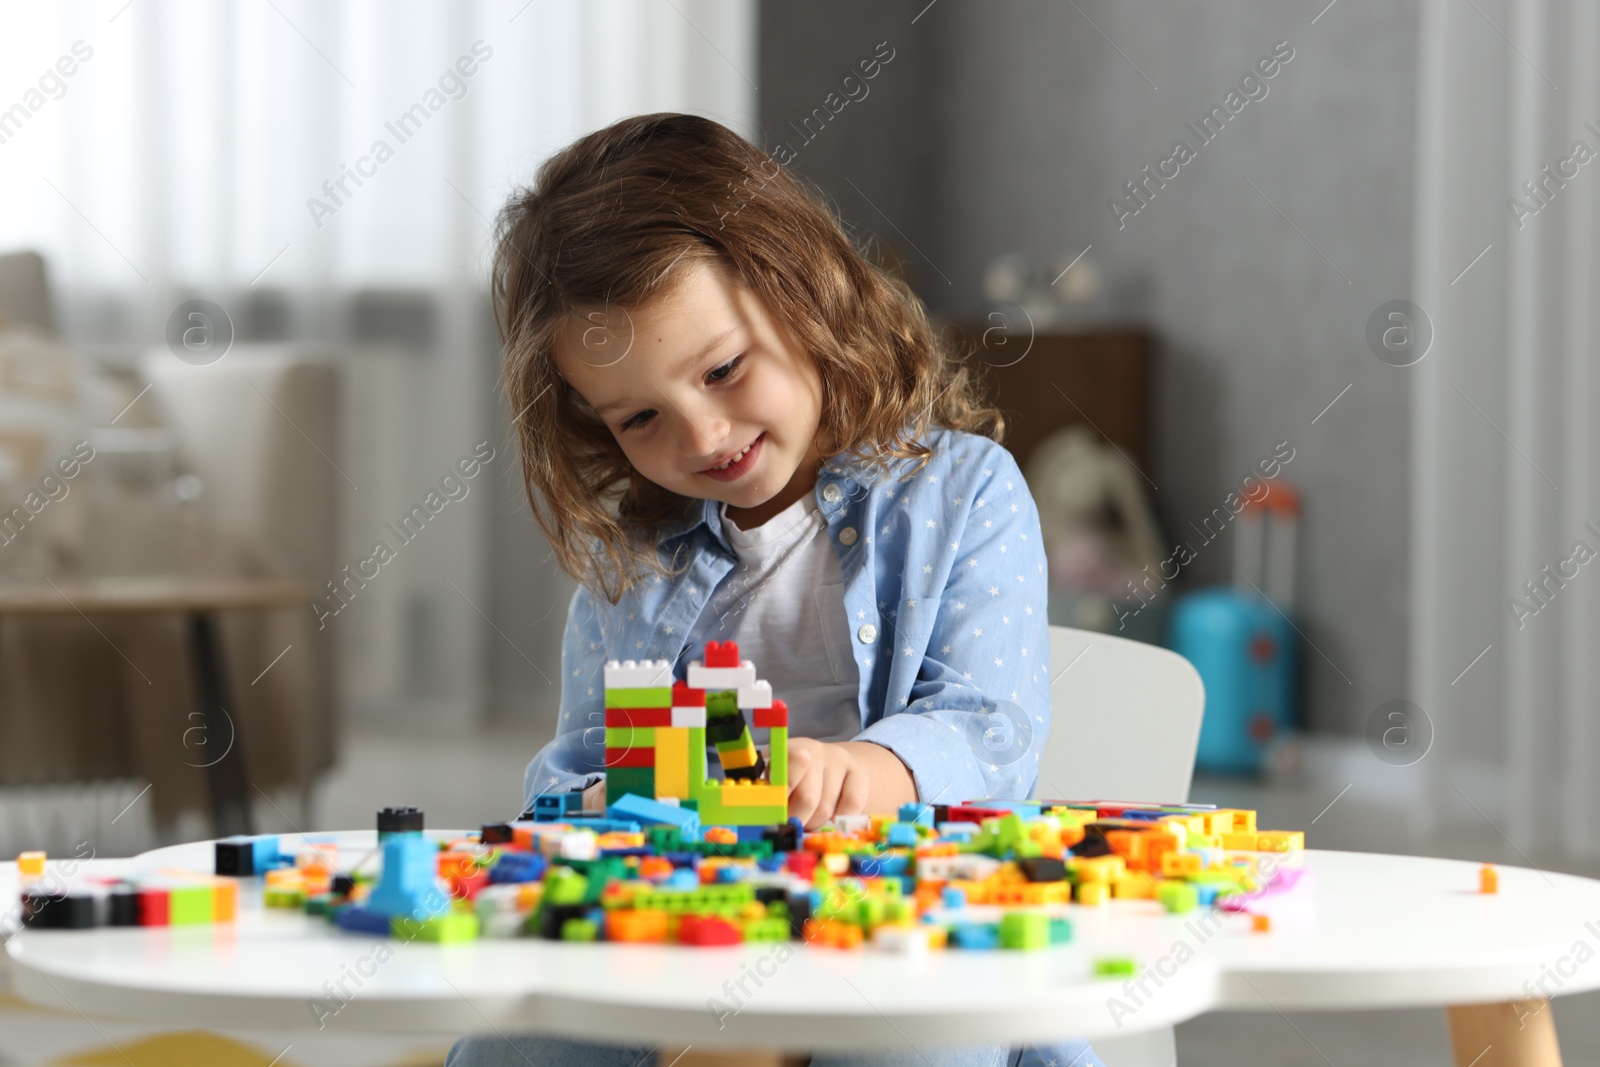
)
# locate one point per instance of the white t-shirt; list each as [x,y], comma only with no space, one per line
[783,602]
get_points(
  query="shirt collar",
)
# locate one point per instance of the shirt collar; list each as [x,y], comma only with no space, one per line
[708,513]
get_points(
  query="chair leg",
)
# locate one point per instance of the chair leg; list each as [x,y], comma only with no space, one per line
[1518,1033]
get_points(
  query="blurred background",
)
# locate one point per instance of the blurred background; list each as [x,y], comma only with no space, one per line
[1289,305]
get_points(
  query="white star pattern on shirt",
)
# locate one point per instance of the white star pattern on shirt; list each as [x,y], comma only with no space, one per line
[927,568]
[977,631]
[666,629]
[994,590]
[930,523]
[908,650]
[1006,619]
[945,649]
[959,501]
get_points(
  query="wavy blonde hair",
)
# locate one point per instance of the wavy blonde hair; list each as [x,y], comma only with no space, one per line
[611,222]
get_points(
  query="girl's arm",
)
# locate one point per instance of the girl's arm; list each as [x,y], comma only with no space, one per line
[979,710]
[578,750]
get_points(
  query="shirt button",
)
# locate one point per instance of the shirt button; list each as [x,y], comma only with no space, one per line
[868,634]
[832,493]
[847,536]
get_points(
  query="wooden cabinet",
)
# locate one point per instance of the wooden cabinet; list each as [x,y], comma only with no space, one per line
[1102,378]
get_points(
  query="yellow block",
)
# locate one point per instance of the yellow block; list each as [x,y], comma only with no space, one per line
[734,760]
[1281,840]
[672,761]
[737,794]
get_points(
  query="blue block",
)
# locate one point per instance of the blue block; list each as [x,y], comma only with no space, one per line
[957,831]
[648,812]
[749,833]
[1206,895]
[952,897]
[602,825]
[360,920]
[771,863]
[918,814]
[975,935]
[903,835]
[409,885]
[267,854]
[893,866]
[730,875]
[866,864]
[555,807]
[684,878]
[518,867]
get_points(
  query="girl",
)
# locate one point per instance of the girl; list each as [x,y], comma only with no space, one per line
[733,426]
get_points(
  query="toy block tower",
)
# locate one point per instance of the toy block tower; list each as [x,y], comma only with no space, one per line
[657,730]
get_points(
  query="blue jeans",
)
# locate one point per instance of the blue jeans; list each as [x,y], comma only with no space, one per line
[538,1050]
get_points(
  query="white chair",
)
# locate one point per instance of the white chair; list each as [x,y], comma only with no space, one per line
[1125,723]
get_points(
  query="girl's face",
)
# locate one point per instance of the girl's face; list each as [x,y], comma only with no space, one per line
[707,395]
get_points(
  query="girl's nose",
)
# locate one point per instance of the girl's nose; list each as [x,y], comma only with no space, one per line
[707,433]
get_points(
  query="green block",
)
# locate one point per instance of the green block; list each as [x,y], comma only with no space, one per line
[191,905]
[580,930]
[271,897]
[446,928]
[1060,931]
[620,781]
[1024,930]
[768,929]
[722,702]
[778,757]
[1178,897]
[563,886]
[321,905]
[630,737]
[1115,967]
[654,696]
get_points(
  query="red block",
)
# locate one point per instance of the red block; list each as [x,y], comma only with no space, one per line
[802,864]
[466,887]
[722,654]
[777,715]
[154,907]
[639,716]
[630,757]
[971,813]
[706,930]
[684,697]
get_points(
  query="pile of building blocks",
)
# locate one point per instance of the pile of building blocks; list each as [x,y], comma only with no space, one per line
[680,857]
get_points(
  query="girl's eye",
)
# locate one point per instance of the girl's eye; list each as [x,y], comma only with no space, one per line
[720,374]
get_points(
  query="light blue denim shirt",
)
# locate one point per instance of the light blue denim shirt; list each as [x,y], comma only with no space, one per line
[945,587]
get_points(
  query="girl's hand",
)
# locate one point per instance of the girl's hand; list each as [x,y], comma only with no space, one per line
[594,798]
[844,778]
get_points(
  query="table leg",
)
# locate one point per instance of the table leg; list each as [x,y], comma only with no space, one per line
[693,1057]
[230,799]
[1518,1033]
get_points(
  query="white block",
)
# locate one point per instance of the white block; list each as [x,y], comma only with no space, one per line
[906,940]
[638,674]
[688,716]
[755,696]
[703,677]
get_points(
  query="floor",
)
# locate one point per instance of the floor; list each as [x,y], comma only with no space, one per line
[465,780]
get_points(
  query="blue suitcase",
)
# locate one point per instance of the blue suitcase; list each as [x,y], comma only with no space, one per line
[1240,640]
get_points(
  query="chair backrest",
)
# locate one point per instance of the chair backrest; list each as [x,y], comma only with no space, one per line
[1124,721]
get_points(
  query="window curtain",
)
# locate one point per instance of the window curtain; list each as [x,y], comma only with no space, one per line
[321,171]
[1505,542]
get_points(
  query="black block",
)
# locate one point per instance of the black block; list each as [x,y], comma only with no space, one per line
[1043,869]
[236,858]
[399,820]
[496,833]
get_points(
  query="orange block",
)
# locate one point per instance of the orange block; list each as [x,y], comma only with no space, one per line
[224,901]
[1129,844]
[1260,923]
[1488,879]
[636,926]
[830,933]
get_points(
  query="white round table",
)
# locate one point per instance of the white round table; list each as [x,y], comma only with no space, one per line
[1376,932]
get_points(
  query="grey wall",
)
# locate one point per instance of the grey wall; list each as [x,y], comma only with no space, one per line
[1003,125]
